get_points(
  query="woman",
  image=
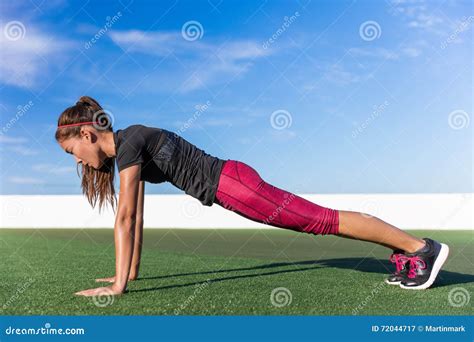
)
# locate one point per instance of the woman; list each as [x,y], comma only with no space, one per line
[148,154]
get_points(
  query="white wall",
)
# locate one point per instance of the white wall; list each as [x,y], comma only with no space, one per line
[407,211]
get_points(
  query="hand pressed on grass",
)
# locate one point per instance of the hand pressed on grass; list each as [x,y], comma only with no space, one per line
[111,290]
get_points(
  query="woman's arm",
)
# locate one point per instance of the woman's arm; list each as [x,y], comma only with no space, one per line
[137,248]
[125,221]
[124,231]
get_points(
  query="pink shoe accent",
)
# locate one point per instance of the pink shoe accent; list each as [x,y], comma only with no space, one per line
[415,263]
[399,260]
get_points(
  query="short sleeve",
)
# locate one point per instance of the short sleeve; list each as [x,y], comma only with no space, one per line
[130,150]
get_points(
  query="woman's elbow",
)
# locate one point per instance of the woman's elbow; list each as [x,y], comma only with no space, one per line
[126,222]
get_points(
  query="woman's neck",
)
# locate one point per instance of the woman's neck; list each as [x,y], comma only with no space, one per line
[108,144]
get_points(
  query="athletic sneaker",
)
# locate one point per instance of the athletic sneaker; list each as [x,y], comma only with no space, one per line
[424,265]
[401,268]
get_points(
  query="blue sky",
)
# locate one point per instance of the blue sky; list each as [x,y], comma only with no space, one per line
[317,96]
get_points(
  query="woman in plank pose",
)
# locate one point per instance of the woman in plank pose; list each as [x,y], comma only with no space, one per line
[155,155]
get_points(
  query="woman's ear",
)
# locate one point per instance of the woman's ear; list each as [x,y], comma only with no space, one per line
[88,134]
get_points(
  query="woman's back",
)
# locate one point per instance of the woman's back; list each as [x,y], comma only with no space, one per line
[166,156]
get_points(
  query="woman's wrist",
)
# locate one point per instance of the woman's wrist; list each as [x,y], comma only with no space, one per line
[133,273]
[117,287]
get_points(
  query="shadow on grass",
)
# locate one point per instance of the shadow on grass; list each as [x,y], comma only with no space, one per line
[356,265]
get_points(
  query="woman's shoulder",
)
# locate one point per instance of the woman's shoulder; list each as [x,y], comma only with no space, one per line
[134,127]
[146,134]
[137,129]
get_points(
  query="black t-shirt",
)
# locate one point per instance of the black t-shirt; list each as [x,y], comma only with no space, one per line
[166,157]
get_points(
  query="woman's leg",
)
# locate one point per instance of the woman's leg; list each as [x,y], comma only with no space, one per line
[369,228]
[242,190]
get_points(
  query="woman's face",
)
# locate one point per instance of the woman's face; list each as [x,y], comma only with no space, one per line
[85,149]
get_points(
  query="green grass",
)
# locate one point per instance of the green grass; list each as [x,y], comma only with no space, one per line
[41,269]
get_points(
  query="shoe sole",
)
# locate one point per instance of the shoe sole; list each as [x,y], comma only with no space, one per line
[442,256]
[392,282]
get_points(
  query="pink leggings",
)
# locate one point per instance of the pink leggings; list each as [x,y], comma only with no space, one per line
[242,190]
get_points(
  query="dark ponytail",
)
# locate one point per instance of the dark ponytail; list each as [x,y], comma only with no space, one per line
[97,184]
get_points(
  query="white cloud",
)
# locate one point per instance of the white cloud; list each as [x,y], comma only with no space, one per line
[26,180]
[156,43]
[16,145]
[241,50]
[211,62]
[374,52]
[28,53]
[407,7]
[409,51]
[424,20]
[282,135]
[336,74]
[227,121]
[4,139]
[420,15]
[53,169]
[23,150]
